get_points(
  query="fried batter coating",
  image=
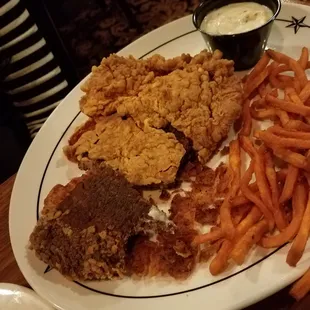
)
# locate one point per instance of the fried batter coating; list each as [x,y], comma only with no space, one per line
[199,96]
[85,225]
[119,76]
[148,156]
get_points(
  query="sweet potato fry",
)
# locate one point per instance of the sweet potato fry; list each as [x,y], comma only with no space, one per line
[281,174]
[287,81]
[253,197]
[271,174]
[300,241]
[259,104]
[252,218]
[294,96]
[297,86]
[278,130]
[278,57]
[220,261]
[227,224]
[283,116]
[261,178]
[247,177]
[305,93]
[274,92]
[246,242]
[238,201]
[275,82]
[299,72]
[238,214]
[258,110]
[254,95]
[307,176]
[241,199]
[262,114]
[209,237]
[303,59]
[268,86]
[282,142]
[301,287]
[234,165]
[281,69]
[225,209]
[217,233]
[247,146]
[253,187]
[262,90]
[288,106]
[292,158]
[272,66]
[297,125]
[285,78]
[286,95]
[246,119]
[255,82]
[281,81]
[245,78]
[259,67]
[299,205]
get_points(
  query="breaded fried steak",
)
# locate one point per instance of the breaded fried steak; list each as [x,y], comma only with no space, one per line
[85,225]
[197,97]
[148,156]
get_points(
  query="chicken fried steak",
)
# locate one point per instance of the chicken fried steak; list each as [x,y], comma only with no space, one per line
[148,156]
[118,76]
[199,96]
[85,225]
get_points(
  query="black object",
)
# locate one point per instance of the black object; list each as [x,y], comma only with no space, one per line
[14,138]
[244,48]
[14,134]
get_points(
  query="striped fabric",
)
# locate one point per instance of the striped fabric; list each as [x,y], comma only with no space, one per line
[33,81]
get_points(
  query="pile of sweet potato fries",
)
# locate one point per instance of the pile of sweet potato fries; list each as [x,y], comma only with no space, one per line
[276,206]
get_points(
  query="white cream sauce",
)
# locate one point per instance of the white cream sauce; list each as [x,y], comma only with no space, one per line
[236,18]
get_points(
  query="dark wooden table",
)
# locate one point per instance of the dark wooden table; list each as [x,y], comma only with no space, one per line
[9,271]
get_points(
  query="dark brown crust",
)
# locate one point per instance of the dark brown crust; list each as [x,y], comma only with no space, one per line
[203,202]
[110,202]
[84,227]
[172,255]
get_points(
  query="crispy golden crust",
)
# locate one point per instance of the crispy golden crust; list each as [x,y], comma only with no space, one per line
[148,156]
[199,96]
[202,203]
[193,101]
[119,76]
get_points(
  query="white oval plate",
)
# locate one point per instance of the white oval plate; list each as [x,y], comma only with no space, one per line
[15,297]
[44,165]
